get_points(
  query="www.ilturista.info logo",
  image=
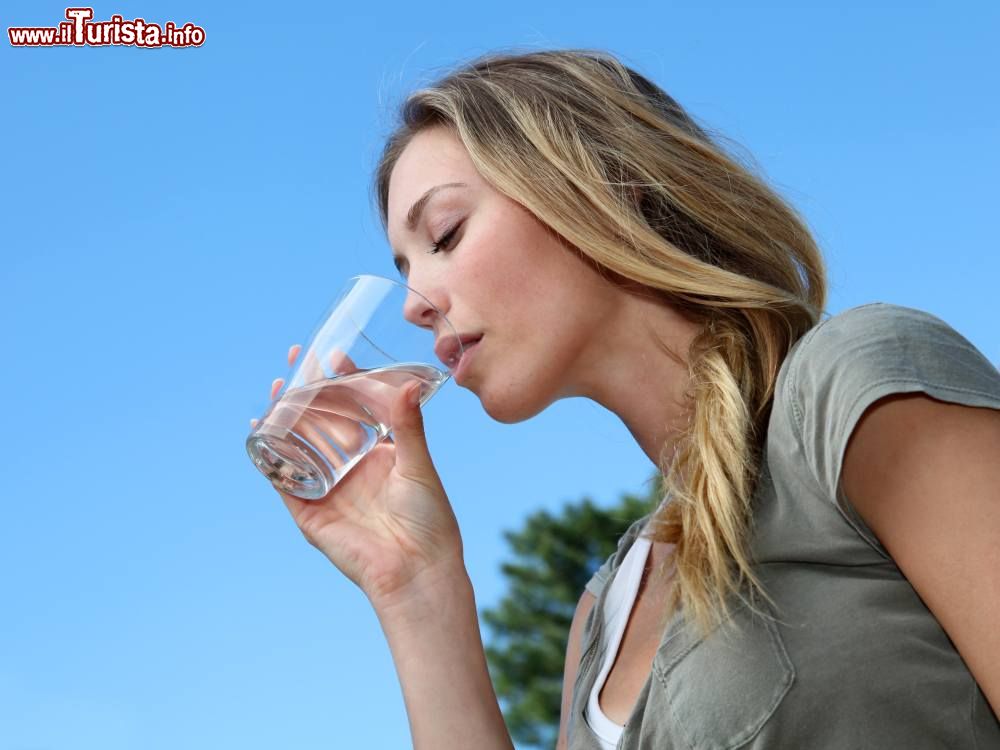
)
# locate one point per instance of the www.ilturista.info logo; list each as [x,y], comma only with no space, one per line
[79,30]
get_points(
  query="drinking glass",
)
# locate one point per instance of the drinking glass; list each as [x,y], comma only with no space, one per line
[334,405]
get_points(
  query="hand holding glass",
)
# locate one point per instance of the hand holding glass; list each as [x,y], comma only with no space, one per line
[334,405]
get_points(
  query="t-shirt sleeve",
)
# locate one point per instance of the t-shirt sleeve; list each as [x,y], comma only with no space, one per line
[853,359]
[600,577]
[597,582]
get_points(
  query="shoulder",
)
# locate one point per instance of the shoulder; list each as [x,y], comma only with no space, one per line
[844,364]
[896,339]
[880,345]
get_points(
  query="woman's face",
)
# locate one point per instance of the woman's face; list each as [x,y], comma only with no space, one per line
[541,310]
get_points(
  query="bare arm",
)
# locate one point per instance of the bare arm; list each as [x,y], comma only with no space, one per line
[583,608]
[925,476]
[434,637]
[389,527]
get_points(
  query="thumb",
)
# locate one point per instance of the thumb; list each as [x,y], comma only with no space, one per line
[413,459]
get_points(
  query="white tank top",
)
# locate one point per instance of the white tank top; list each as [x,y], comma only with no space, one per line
[617,607]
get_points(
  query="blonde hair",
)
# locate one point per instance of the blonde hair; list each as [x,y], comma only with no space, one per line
[626,178]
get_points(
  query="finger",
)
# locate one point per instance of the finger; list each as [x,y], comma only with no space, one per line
[413,457]
[341,418]
[293,353]
[310,369]
[340,363]
[329,421]
[253,424]
[321,442]
[337,439]
[296,505]
[276,386]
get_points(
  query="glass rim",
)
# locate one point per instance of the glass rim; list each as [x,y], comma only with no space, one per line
[452,332]
[397,282]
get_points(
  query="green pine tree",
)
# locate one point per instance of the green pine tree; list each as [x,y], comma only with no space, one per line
[555,556]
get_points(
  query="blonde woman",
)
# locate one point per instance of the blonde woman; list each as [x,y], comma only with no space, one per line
[824,568]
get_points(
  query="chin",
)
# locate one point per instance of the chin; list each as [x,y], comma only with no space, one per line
[515,403]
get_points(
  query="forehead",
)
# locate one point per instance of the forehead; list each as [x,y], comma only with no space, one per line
[433,157]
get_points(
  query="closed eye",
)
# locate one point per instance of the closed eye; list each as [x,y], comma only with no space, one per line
[442,243]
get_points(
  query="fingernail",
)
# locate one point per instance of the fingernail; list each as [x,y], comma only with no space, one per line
[415,395]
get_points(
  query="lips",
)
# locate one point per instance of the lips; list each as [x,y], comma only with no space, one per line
[468,356]
[448,349]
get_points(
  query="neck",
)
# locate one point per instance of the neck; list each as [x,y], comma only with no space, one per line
[643,376]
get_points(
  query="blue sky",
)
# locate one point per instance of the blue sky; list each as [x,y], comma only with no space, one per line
[174,219]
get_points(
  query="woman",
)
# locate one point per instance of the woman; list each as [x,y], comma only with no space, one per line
[823,570]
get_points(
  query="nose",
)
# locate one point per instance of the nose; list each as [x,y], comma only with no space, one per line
[423,308]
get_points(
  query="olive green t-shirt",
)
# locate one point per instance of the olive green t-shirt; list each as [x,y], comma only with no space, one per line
[850,657]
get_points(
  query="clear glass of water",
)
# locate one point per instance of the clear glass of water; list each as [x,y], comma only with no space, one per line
[334,405]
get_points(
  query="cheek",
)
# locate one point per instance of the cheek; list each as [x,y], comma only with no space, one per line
[532,356]
[539,322]
[537,303]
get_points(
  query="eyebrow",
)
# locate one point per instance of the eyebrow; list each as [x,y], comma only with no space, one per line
[413,217]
